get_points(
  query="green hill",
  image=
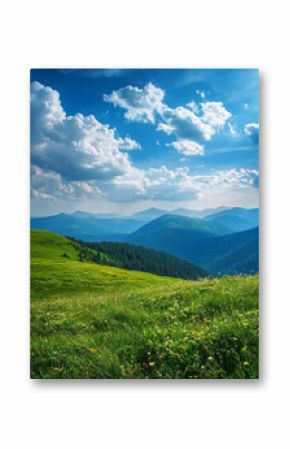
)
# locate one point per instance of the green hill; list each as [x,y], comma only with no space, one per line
[96,321]
[120,255]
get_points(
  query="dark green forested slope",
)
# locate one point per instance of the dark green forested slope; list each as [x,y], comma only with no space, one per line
[139,258]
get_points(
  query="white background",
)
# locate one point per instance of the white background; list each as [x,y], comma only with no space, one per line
[157,414]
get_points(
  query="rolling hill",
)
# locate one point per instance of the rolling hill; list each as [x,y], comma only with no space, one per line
[120,255]
[93,321]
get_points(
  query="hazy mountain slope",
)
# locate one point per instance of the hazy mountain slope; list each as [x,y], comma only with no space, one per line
[173,233]
[86,227]
[193,240]
[225,254]
[197,213]
[235,219]
[233,223]
[149,214]
[243,259]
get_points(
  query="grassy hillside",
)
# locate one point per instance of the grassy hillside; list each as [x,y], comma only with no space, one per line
[95,321]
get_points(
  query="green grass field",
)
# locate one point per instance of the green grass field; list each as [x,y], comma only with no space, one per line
[96,321]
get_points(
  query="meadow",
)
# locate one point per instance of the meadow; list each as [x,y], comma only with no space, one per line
[96,321]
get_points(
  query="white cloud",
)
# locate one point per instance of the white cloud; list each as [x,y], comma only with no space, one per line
[77,147]
[252,131]
[164,184]
[128,144]
[234,178]
[187,147]
[195,123]
[140,104]
[193,106]
[185,124]
[49,185]
[214,113]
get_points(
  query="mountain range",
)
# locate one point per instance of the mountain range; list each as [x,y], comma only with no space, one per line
[222,241]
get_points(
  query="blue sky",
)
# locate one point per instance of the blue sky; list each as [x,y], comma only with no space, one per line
[123,140]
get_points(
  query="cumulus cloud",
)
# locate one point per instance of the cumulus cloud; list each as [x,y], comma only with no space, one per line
[188,123]
[162,184]
[128,144]
[214,113]
[77,147]
[185,124]
[49,185]
[187,147]
[195,122]
[140,104]
[252,131]
[233,178]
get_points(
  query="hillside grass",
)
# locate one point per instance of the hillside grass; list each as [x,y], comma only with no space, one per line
[95,321]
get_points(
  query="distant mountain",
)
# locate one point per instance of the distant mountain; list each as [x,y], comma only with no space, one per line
[131,257]
[222,254]
[172,233]
[81,214]
[149,214]
[197,213]
[153,213]
[86,226]
[236,219]
[242,259]
[202,243]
